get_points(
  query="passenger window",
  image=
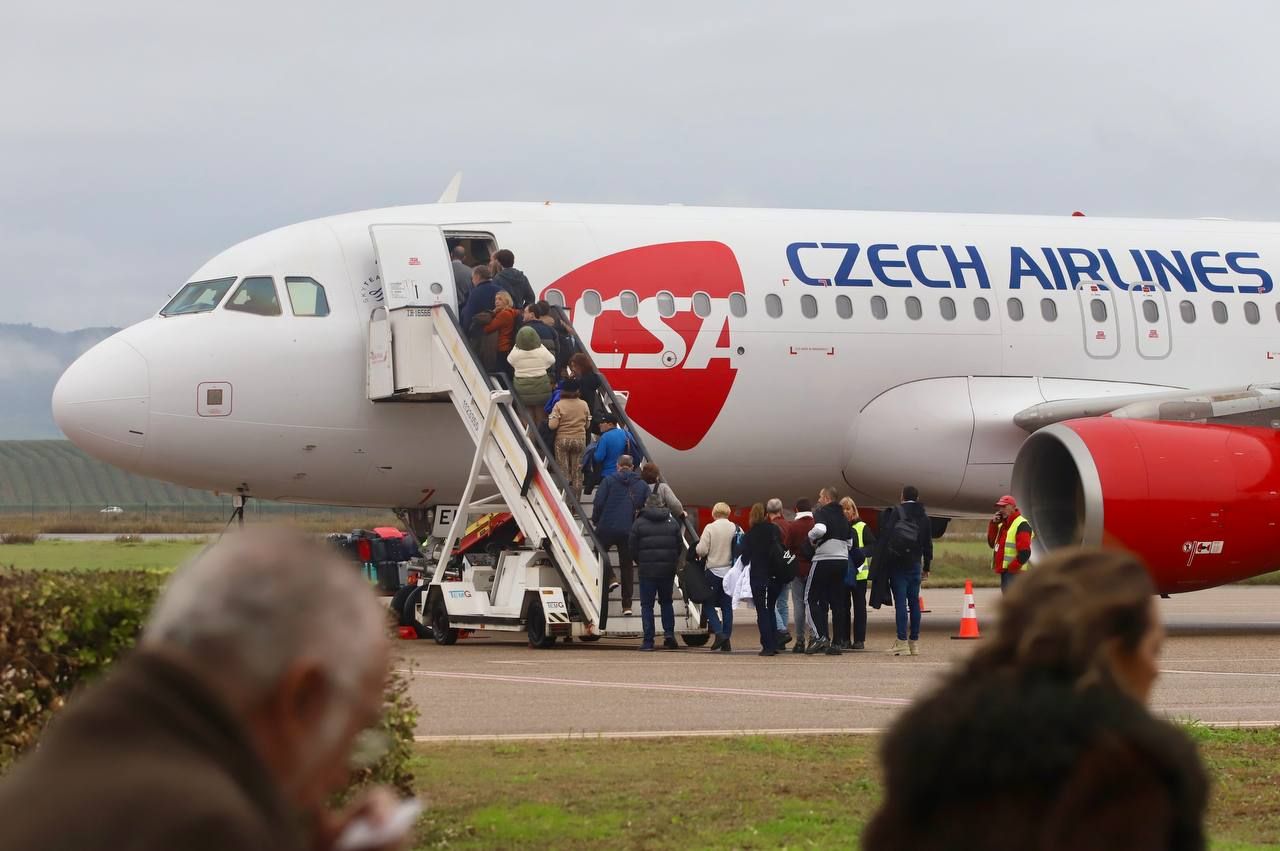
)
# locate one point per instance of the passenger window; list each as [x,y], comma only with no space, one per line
[257,296]
[808,306]
[879,307]
[203,296]
[914,310]
[1188,311]
[1015,309]
[555,298]
[773,305]
[982,309]
[701,305]
[1251,314]
[306,297]
[628,303]
[1098,310]
[666,305]
[591,302]
[1048,309]
[738,304]
[1220,312]
[844,307]
[948,307]
[1151,311]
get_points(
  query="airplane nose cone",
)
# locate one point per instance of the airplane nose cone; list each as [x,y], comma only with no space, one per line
[102,402]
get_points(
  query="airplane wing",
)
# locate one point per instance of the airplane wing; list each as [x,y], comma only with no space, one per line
[1252,405]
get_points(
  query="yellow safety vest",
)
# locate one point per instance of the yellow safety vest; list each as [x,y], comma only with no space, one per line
[1011,543]
[864,570]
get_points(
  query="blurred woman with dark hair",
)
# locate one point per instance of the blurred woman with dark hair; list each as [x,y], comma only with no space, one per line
[762,551]
[1048,722]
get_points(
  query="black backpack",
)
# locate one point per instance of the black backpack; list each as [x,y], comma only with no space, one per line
[905,539]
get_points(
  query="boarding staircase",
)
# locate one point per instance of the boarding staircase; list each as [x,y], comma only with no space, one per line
[556,585]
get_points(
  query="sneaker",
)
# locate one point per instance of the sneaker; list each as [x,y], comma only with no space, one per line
[720,641]
[725,648]
[614,586]
[913,647]
[858,645]
[646,646]
[626,613]
[767,653]
[799,648]
[818,645]
[784,640]
[833,650]
[899,648]
[670,644]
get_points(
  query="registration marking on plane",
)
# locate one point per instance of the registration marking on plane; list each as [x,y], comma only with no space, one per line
[743,692]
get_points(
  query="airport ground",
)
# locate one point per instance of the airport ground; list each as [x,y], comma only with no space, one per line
[599,745]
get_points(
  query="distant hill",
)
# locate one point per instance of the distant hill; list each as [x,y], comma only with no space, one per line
[49,474]
[31,359]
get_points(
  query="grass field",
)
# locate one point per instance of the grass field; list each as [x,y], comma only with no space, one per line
[736,792]
[98,555]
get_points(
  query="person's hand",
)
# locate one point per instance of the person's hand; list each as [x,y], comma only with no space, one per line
[925,576]
[374,805]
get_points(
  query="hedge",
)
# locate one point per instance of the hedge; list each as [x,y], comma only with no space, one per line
[59,630]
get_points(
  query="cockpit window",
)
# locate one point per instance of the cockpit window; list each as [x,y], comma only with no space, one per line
[198,297]
[255,295]
[307,297]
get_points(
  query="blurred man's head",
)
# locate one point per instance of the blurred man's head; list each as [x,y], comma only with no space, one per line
[773,507]
[295,642]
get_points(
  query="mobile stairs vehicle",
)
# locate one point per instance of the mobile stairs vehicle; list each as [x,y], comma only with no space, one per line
[554,583]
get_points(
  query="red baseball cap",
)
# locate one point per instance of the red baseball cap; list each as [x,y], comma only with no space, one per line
[1005,500]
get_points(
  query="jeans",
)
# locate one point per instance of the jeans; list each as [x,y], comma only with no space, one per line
[621,541]
[1006,579]
[800,606]
[784,607]
[661,589]
[765,593]
[905,583]
[722,624]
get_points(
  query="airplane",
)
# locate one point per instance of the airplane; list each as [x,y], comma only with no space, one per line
[1120,376]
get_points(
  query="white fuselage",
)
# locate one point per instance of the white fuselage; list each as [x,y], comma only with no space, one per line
[734,407]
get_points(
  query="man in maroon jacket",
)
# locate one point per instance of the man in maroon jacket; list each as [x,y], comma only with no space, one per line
[796,540]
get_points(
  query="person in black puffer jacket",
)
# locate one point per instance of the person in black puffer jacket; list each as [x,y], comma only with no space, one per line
[656,546]
[763,552]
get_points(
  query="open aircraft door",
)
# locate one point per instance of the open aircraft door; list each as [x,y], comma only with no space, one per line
[417,275]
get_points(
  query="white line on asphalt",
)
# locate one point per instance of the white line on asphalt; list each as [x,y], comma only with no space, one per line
[1220,673]
[651,734]
[746,692]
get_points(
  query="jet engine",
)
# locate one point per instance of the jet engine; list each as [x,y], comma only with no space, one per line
[1200,503]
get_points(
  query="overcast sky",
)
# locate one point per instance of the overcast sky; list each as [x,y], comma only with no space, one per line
[137,139]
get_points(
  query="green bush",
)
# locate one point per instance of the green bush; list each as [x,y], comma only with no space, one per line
[58,630]
[18,538]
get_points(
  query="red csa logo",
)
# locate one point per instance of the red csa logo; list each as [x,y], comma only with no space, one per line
[676,367]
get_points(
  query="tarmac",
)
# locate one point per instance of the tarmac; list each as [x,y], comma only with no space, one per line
[1220,666]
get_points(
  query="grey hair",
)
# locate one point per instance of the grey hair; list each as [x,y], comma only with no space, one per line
[773,506]
[625,461]
[253,603]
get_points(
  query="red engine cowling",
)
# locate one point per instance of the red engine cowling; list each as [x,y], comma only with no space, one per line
[1199,503]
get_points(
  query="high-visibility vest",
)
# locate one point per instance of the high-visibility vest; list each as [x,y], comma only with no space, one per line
[864,570]
[1011,543]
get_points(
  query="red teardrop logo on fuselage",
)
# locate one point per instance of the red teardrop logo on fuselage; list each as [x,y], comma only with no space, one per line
[663,333]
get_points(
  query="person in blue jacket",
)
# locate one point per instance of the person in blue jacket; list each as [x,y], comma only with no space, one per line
[611,446]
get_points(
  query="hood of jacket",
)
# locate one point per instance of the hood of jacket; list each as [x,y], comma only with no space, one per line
[658,514]
[528,339]
[626,477]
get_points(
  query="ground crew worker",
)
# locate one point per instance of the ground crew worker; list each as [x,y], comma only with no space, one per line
[1009,535]
[860,548]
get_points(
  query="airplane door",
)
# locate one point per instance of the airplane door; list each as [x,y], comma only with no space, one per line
[414,263]
[1101,326]
[1151,321]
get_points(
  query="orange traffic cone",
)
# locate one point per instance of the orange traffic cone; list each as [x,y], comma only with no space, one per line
[969,614]
[924,610]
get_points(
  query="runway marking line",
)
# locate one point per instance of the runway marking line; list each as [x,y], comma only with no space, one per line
[744,692]
[1221,673]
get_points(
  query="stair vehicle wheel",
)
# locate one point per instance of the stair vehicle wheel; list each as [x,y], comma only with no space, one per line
[440,629]
[696,639]
[538,628]
[592,637]
[408,611]
[403,616]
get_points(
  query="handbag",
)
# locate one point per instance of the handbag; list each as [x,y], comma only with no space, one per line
[692,575]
